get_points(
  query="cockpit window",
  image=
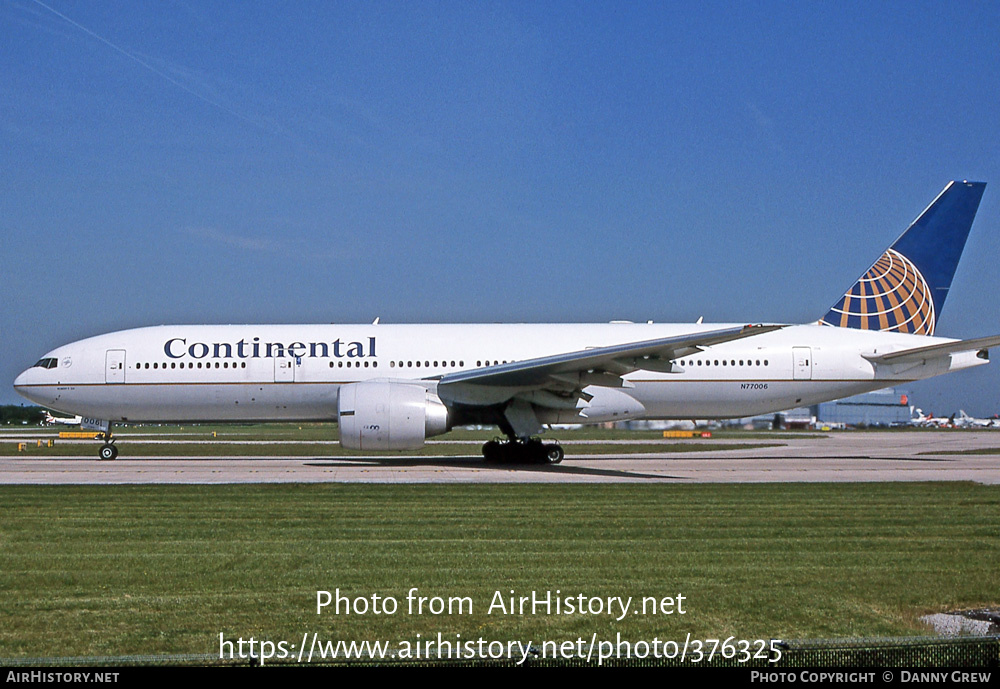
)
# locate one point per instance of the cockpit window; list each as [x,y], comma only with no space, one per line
[48,362]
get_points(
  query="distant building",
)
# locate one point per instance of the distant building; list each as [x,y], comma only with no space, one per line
[879,408]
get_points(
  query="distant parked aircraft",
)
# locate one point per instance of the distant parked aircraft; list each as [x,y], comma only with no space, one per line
[68,421]
[963,420]
[929,420]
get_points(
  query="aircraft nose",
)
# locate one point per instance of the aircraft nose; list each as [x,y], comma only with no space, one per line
[21,380]
[22,384]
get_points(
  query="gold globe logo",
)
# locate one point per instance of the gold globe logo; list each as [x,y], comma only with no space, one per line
[892,295]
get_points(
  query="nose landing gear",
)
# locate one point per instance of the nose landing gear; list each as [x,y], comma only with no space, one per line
[108,450]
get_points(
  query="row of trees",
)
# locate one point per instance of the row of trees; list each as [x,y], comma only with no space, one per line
[19,413]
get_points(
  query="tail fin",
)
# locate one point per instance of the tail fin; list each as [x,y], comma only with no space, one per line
[904,291]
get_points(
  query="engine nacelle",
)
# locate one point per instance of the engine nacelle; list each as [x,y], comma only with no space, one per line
[388,416]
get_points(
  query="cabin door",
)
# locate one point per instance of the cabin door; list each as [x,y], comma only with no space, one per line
[802,363]
[114,368]
[284,370]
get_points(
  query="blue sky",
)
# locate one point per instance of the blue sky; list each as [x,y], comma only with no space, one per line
[224,162]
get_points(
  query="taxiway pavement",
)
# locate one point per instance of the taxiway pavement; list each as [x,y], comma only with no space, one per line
[840,456]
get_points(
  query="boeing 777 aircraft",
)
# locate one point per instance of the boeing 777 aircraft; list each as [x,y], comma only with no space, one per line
[392,386]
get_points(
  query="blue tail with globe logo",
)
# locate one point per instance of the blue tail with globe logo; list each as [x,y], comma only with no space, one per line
[904,291]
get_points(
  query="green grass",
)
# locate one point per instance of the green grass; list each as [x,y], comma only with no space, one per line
[113,570]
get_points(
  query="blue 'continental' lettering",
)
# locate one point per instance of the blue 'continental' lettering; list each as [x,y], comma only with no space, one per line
[178,348]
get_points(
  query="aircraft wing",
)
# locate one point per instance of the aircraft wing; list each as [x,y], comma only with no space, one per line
[602,366]
[921,354]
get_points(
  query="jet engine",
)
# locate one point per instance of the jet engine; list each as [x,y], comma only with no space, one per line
[388,416]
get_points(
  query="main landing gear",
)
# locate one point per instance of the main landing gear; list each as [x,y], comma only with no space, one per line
[532,451]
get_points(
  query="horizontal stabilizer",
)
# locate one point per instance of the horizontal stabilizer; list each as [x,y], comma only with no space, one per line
[932,351]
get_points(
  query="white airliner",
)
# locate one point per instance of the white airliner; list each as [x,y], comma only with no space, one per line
[963,420]
[392,386]
[931,421]
[51,420]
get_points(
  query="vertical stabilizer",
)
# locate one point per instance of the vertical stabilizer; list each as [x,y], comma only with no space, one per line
[904,291]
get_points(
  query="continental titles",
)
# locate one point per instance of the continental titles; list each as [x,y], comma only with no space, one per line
[179,347]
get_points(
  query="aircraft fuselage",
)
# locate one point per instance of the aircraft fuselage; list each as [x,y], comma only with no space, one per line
[294,372]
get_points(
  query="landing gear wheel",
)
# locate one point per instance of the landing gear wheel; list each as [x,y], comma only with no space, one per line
[503,452]
[554,454]
[491,451]
[531,451]
[108,452]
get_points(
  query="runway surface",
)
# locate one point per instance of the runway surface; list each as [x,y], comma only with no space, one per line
[846,456]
